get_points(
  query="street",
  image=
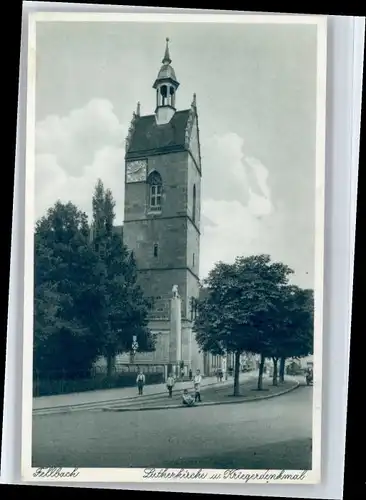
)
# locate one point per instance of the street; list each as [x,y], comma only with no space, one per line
[273,434]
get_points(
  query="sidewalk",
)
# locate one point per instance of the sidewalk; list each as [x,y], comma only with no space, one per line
[107,396]
[216,394]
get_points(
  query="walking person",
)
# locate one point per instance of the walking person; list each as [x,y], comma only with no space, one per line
[170,384]
[197,386]
[221,375]
[140,380]
[190,374]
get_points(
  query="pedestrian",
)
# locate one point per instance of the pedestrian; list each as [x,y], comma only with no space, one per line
[140,380]
[187,398]
[221,374]
[190,374]
[197,386]
[170,385]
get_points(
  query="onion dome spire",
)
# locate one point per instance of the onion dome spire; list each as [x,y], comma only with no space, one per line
[166,59]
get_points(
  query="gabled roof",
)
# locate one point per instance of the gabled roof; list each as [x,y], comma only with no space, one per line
[149,138]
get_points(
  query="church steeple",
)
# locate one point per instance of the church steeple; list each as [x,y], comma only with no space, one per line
[166,85]
[166,59]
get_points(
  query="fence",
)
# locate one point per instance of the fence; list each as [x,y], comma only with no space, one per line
[62,382]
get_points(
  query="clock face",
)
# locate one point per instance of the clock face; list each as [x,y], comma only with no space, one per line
[136,171]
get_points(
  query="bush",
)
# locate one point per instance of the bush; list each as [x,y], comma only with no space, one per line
[63,385]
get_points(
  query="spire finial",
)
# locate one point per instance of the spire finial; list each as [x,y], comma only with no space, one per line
[138,109]
[166,59]
[194,102]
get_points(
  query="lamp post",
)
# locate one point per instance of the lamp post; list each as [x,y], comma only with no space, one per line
[135,346]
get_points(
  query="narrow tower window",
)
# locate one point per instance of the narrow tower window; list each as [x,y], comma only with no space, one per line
[155,192]
[172,97]
[155,198]
[156,249]
[164,94]
[194,204]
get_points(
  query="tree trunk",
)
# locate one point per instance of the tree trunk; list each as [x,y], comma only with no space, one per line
[110,364]
[260,374]
[236,374]
[282,370]
[275,371]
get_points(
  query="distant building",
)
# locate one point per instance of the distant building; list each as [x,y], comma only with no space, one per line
[306,361]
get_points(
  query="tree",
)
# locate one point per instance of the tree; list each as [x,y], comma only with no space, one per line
[233,315]
[293,326]
[124,311]
[64,292]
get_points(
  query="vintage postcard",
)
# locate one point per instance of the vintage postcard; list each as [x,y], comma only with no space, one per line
[174,258]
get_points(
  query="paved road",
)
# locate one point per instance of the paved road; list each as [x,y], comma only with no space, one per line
[273,434]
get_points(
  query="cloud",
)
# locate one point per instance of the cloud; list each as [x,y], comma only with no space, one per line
[237,202]
[259,192]
[224,173]
[235,232]
[244,219]
[229,175]
[238,215]
[76,138]
[72,152]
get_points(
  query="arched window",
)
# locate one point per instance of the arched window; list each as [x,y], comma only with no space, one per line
[155,191]
[172,97]
[164,94]
[194,204]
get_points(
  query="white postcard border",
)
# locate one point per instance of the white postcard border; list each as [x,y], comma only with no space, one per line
[134,474]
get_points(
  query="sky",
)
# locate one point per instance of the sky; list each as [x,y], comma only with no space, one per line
[256,99]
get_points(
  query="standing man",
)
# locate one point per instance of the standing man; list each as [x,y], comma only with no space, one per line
[140,382]
[197,386]
[170,385]
[190,374]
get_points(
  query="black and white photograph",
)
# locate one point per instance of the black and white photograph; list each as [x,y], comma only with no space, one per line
[174,286]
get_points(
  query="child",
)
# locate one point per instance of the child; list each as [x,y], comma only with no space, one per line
[170,385]
[140,382]
[197,386]
[188,400]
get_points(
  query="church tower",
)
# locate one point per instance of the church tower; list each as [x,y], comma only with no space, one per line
[162,212]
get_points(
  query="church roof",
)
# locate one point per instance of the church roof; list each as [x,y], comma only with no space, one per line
[166,72]
[150,138]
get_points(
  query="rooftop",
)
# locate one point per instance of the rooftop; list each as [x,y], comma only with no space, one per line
[166,72]
[149,138]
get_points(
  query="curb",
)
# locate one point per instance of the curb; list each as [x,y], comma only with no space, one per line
[95,405]
[212,403]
